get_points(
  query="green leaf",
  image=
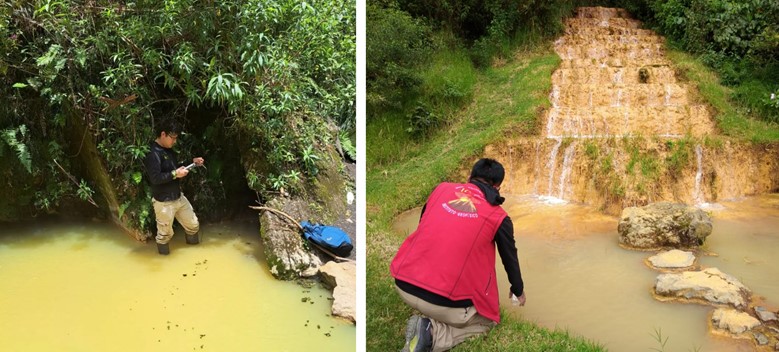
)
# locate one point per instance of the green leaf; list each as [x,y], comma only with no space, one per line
[122,208]
[19,85]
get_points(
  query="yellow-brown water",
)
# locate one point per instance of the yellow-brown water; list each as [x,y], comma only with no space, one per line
[577,277]
[90,288]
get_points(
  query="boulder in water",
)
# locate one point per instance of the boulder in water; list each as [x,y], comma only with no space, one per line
[733,321]
[284,248]
[662,225]
[710,285]
[342,277]
[673,259]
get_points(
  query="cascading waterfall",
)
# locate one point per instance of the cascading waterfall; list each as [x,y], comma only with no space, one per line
[614,81]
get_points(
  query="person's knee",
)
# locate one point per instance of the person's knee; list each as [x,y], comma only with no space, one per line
[192,225]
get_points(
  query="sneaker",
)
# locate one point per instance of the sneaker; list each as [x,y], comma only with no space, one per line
[419,337]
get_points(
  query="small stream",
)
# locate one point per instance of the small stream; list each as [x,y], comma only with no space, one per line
[88,287]
[577,277]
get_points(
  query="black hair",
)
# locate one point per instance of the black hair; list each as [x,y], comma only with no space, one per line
[489,170]
[169,126]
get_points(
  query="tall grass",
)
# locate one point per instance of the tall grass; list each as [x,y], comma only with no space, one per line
[448,82]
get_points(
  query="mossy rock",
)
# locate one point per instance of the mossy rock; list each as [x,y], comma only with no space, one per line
[285,250]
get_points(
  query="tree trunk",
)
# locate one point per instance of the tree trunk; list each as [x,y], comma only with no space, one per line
[90,164]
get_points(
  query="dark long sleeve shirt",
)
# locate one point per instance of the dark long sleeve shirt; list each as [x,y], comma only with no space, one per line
[160,163]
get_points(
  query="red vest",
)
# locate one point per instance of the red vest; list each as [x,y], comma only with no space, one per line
[452,252]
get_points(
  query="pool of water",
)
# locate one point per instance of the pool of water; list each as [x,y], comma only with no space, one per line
[88,287]
[577,277]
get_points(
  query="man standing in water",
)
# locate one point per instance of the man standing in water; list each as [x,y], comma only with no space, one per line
[164,175]
[446,268]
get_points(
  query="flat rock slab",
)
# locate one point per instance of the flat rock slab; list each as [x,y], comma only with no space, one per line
[733,321]
[673,259]
[343,277]
[710,285]
[663,225]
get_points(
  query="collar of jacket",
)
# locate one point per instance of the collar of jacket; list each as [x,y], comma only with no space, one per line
[490,193]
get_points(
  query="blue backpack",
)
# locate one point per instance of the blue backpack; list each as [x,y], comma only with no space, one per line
[330,238]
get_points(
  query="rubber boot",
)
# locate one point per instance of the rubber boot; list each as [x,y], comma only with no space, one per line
[193,239]
[164,249]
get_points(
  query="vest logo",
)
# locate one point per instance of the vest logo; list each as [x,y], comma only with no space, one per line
[464,205]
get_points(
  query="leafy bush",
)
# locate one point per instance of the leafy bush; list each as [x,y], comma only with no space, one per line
[278,75]
[422,121]
[396,45]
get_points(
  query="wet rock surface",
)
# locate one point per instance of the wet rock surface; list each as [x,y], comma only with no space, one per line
[765,315]
[662,225]
[733,321]
[710,285]
[673,259]
[342,277]
[761,339]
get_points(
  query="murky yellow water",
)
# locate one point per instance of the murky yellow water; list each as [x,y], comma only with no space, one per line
[578,278]
[91,288]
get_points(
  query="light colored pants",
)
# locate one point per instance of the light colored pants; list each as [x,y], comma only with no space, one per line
[451,326]
[181,210]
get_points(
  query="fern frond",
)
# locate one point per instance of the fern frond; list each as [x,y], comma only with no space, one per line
[22,153]
[348,147]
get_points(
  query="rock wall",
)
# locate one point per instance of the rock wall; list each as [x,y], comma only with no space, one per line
[615,173]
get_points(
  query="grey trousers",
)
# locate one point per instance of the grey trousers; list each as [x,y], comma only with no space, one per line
[181,210]
[451,326]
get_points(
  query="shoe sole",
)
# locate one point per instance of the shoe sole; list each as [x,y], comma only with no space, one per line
[411,334]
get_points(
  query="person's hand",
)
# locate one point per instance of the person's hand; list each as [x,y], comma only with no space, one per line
[181,172]
[521,299]
[198,161]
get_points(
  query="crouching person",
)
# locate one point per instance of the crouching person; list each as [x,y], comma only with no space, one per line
[164,174]
[446,268]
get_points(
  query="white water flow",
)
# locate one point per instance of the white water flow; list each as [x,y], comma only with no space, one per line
[567,162]
[698,193]
[578,279]
[552,165]
[88,287]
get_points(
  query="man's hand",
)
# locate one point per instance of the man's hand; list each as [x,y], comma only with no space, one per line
[520,299]
[198,161]
[181,172]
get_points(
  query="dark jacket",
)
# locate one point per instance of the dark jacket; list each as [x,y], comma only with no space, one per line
[504,239]
[160,163]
